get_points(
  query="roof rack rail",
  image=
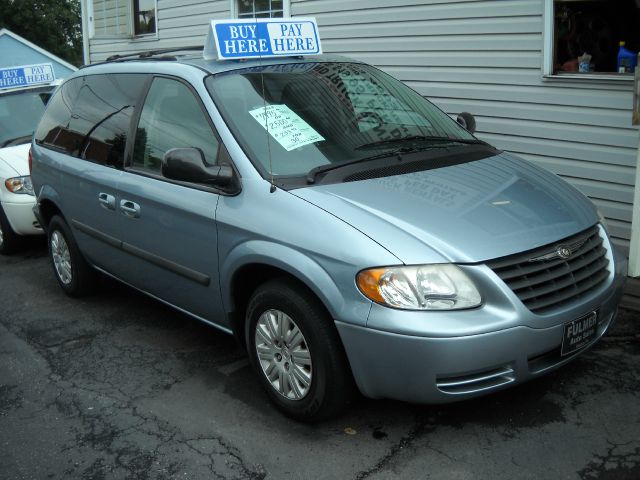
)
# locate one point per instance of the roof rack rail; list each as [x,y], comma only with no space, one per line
[153,53]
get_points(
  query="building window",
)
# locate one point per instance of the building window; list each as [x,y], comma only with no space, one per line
[121,18]
[144,17]
[583,37]
[110,18]
[260,8]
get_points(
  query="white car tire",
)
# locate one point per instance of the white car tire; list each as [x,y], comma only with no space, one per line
[9,240]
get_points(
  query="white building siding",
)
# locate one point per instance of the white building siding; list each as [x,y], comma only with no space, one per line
[181,23]
[485,57]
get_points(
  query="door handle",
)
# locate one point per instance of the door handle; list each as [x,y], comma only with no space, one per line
[107,201]
[129,208]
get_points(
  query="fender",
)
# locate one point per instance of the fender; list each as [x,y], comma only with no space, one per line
[302,267]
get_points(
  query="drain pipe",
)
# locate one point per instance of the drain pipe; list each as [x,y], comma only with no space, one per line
[86,15]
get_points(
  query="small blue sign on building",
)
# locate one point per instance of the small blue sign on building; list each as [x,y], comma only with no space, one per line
[262,37]
[26,75]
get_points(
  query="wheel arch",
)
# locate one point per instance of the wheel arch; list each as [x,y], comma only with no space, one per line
[252,264]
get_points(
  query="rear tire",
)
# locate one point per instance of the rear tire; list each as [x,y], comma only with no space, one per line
[9,240]
[296,351]
[73,273]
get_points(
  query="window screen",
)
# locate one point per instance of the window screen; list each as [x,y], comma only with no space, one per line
[111,18]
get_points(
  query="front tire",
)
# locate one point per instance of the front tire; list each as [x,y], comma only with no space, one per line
[295,349]
[74,275]
[9,240]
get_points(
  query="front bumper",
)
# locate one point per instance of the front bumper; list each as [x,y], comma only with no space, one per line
[442,366]
[21,217]
[442,370]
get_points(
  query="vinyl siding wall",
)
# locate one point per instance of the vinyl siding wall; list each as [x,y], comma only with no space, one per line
[480,56]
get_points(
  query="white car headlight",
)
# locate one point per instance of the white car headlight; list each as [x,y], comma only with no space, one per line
[422,287]
[19,185]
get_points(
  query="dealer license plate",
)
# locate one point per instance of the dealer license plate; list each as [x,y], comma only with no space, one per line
[579,333]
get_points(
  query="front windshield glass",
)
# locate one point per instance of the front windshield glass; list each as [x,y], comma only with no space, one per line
[19,115]
[313,115]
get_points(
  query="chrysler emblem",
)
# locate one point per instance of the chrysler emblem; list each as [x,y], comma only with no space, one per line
[561,251]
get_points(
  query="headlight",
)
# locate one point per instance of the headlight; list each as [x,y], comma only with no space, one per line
[19,185]
[423,287]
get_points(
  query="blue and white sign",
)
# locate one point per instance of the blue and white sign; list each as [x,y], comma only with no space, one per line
[26,75]
[262,37]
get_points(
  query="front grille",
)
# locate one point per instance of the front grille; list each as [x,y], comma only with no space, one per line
[544,281]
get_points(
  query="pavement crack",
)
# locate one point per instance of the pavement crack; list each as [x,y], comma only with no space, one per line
[621,461]
[419,428]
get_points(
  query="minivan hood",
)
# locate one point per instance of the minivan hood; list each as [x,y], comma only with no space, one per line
[16,158]
[464,213]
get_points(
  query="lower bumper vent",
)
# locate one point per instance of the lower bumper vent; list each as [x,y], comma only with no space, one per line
[477,382]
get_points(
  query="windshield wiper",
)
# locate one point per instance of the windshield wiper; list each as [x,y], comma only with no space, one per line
[396,152]
[426,138]
[438,142]
[16,140]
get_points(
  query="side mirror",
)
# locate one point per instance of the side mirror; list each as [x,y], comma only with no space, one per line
[467,121]
[188,165]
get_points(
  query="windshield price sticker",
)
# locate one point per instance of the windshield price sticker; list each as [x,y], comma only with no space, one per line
[285,126]
[263,37]
[26,75]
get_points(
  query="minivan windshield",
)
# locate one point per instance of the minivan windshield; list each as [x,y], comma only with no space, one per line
[293,119]
[20,112]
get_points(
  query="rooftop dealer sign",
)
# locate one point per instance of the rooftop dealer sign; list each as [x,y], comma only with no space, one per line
[26,75]
[262,37]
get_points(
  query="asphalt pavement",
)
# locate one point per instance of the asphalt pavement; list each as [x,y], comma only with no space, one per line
[118,386]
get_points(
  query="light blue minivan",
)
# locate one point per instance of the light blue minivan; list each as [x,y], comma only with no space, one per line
[350,234]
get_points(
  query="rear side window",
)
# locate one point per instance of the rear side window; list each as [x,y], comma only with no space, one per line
[101,109]
[171,118]
[53,127]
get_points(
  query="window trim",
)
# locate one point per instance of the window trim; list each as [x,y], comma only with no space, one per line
[547,54]
[286,8]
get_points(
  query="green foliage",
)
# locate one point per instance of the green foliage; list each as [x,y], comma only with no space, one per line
[54,25]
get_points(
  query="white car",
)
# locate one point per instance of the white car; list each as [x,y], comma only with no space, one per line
[20,111]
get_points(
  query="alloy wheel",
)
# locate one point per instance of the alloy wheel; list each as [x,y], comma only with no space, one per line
[61,257]
[283,354]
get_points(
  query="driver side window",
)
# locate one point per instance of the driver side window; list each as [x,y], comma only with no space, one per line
[171,118]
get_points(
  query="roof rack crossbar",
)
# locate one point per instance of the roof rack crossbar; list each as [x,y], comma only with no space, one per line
[152,53]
